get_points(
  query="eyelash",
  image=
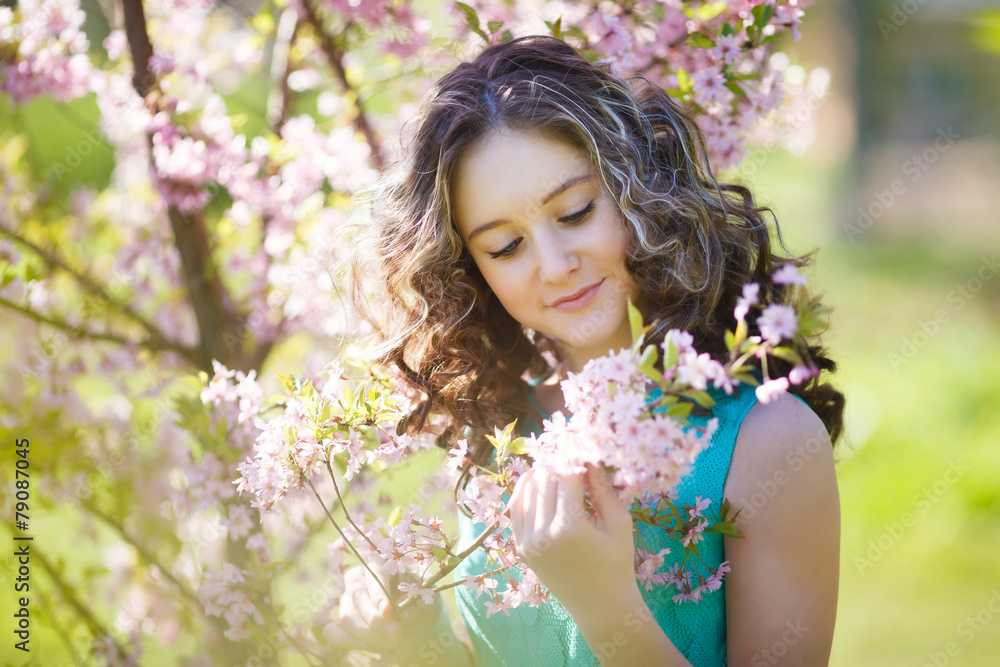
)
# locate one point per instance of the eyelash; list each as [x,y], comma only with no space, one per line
[572,219]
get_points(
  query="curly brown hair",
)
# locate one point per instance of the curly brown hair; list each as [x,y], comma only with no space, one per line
[692,242]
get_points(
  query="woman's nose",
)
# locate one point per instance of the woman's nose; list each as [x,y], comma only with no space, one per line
[557,260]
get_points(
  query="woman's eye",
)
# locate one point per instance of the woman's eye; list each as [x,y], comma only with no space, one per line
[571,219]
[579,215]
[506,250]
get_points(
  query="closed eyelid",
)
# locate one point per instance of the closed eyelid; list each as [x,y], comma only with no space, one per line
[574,219]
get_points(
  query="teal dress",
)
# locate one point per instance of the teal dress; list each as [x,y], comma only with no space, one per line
[548,636]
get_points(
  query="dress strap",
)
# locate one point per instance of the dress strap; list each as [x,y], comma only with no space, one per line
[534,403]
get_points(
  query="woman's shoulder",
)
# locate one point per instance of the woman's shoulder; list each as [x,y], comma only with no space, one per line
[777,441]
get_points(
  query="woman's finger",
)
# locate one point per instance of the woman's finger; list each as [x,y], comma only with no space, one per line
[335,634]
[548,496]
[529,499]
[606,502]
[378,604]
[569,501]
[514,513]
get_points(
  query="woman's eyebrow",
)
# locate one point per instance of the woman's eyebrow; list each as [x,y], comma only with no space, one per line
[568,183]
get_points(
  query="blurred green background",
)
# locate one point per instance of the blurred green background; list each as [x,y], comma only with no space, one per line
[907,237]
[916,297]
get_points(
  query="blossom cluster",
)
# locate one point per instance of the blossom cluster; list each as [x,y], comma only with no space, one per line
[711,56]
[222,596]
[43,51]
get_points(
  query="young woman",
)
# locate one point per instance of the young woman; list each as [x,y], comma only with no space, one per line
[536,195]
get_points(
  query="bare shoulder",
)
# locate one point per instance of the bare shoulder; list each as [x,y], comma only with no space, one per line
[783,435]
[782,475]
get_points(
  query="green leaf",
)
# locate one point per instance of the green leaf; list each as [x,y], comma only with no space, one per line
[728,30]
[395,516]
[788,354]
[649,357]
[470,14]
[348,397]
[746,379]
[700,397]
[556,28]
[509,430]
[652,373]
[684,80]
[493,26]
[736,88]
[635,322]
[472,19]
[725,528]
[730,339]
[517,447]
[680,410]
[670,358]
[700,40]
[762,14]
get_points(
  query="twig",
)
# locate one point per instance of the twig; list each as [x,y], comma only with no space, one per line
[347,541]
[208,295]
[67,593]
[158,339]
[277,101]
[340,500]
[144,553]
[335,57]
[77,331]
[60,631]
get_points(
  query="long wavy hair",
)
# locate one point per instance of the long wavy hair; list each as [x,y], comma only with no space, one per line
[692,242]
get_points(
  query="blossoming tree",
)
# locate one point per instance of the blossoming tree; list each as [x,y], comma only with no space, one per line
[238,139]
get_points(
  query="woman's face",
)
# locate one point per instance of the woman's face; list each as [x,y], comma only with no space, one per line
[548,240]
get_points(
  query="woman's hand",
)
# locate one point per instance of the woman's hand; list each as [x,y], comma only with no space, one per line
[581,559]
[367,622]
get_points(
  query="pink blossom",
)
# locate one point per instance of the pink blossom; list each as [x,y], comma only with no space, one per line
[727,48]
[778,322]
[413,590]
[749,298]
[788,275]
[772,389]
[800,374]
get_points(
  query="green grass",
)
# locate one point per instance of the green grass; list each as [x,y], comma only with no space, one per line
[907,590]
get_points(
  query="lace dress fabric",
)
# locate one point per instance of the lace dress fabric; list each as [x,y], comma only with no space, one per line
[547,635]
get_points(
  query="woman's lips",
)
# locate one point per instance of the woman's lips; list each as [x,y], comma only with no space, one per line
[580,301]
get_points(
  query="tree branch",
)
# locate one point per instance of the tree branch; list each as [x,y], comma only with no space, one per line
[144,553]
[66,592]
[335,56]
[211,303]
[80,332]
[158,339]
[277,101]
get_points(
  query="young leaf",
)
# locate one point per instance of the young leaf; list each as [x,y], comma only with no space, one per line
[517,447]
[635,322]
[725,528]
[680,410]
[395,516]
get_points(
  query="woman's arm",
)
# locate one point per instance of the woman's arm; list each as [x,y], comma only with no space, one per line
[781,595]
